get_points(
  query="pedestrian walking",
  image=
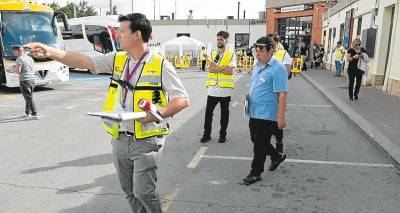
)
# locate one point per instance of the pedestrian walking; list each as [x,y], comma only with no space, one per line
[354,55]
[203,58]
[136,144]
[267,105]
[338,55]
[25,70]
[220,85]
[303,54]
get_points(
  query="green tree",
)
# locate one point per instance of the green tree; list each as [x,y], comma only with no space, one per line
[113,12]
[82,9]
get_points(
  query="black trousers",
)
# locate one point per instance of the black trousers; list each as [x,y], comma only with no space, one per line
[260,133]
[211,103]
[27,88]
[357,76]
[203,65]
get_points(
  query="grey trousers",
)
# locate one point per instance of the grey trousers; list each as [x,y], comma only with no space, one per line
[136,165]
[27,88]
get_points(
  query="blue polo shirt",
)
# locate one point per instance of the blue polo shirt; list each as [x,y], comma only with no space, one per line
[266,83]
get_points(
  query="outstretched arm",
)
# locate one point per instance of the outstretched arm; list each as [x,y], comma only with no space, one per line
[72,59]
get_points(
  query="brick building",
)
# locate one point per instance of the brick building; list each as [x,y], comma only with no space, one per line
[296,21]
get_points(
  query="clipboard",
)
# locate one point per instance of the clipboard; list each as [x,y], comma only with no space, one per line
[118,116]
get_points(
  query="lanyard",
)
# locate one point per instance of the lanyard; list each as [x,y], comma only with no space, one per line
[129,75]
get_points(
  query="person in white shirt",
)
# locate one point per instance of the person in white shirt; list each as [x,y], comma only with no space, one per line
[220,85]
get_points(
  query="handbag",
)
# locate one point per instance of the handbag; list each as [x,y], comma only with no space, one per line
[363,63]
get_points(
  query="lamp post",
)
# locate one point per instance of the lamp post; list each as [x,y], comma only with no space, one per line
[154,9]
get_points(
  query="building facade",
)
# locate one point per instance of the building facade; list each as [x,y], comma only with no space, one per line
[296,21]
[375,22]
[243,32]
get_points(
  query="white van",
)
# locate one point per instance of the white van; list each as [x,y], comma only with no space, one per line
[92,35]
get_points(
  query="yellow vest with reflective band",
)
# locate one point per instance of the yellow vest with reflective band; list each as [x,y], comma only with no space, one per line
[148,86]
[219,79]
[279,55]
[340,52]
[202,55]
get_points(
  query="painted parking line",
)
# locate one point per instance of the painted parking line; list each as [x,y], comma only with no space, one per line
[304,161]
[8,97]
[168,199]
[234,104]
[71,107]
[310,105]
[196,159]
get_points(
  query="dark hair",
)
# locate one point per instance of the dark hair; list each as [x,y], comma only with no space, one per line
[339,42]
[267,41]
[276,38]
[16,47]
[223,34]
[138,22]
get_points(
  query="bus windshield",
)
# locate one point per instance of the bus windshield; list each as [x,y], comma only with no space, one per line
[20,28]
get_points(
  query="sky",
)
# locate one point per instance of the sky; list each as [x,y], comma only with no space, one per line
[211,9]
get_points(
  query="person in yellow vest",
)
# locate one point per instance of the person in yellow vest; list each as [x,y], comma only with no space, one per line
[203,58]
[220,84]
[281,54]
[339,57]
[136,144]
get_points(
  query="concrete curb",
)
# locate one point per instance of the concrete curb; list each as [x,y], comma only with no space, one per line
[376,136]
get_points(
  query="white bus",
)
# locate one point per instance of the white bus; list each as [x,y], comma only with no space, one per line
[23,22]
[92,35]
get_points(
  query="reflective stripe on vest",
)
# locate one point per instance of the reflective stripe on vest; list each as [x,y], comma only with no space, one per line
[280,55]
[222,80]
[148,86]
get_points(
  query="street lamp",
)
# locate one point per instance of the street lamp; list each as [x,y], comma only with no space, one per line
[154,9]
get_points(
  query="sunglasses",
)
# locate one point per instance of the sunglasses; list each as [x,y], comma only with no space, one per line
[260,47]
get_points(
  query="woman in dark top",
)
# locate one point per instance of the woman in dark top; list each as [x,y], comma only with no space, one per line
[303,54]
[354,73]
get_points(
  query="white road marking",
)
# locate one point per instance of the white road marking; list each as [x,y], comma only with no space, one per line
[169,198]
[234,104]
[71,107]
[300,86]
[8,97]
[304,161]
[93,99]
[309,105]
[196,159]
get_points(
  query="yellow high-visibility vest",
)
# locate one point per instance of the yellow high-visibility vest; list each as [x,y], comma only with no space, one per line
[279,55]
[219,79]
[340,52]
[203,55]
[148,86]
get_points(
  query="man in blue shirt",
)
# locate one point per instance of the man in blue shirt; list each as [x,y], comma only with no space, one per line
[267,105]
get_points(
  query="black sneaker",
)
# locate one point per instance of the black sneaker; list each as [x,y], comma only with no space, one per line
[222,140]
[275,163]
[279,147]
[205,139]
[356,97]
[351,99]
[250,179]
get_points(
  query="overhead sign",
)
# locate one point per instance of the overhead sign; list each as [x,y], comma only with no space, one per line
[293,8]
